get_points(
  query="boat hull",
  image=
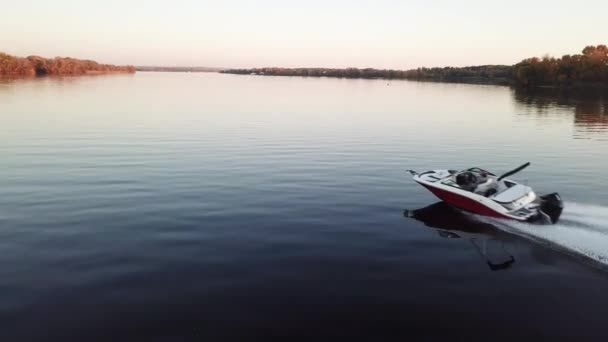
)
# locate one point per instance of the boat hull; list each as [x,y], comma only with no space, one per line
[463,202]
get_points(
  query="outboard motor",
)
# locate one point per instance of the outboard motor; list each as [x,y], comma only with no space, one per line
[552,206]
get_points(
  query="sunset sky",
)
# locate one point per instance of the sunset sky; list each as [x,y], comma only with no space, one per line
[240,33]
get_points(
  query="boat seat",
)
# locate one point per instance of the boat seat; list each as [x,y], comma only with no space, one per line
[484,187]
[511,194]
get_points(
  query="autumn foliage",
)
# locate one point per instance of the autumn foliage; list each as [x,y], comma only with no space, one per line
[590,67]
[39,66]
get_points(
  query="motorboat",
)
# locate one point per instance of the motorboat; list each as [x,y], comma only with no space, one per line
[481,192]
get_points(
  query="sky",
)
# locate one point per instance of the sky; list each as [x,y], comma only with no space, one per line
[310,33]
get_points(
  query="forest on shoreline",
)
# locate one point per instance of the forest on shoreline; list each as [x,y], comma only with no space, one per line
[588,68]
[494,74]
[38,66]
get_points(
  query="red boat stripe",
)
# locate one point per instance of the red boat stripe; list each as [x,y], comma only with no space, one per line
[463,202]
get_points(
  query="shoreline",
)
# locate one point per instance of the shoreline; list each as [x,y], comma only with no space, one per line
[586,70]
[52,76]
[13,66]
[472,80]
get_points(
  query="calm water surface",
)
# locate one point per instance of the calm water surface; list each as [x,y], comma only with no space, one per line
[163,207]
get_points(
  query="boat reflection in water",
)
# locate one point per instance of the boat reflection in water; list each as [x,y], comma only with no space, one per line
[588,107]
[487,240]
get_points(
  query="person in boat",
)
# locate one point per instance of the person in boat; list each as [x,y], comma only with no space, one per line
[467,180]
[478,183]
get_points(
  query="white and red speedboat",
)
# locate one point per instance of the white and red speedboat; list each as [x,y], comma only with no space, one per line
[483,193]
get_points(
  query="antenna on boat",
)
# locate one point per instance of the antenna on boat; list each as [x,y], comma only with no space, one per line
[514,171]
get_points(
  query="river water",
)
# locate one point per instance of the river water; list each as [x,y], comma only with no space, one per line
[179,206]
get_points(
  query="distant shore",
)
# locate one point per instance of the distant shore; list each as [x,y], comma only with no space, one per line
[486,74]
[589,69]
[176,69]
[12,66]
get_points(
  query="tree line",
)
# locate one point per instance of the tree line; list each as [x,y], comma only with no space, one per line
[590,67]
[475,74]
[39,66]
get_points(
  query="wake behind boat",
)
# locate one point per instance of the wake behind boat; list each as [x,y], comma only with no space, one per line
[482,192]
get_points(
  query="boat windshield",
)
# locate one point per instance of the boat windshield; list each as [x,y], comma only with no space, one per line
[451,182]
[479,170]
